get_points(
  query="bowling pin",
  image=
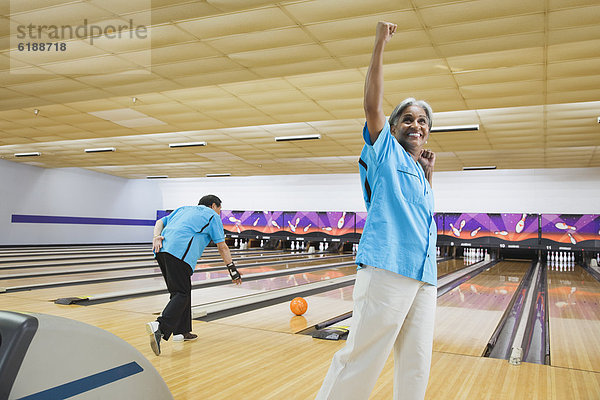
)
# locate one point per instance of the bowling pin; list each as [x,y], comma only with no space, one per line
[292,227]
[462,225]
[255,222]
[562,225]
[292,246]
[306,227]
[454,230]
[275,224]
[341,220]
[520,224]
[475,232]
[572,238]
[235,244]
[327,228]
[503,233]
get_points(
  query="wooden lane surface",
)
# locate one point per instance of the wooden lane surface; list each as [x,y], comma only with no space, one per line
[279,318]
[10,251]
[74,262]
[321,307]
[273,366]
[467,316]
[126,262]
[150,283]
[22,258]
[83,261]
[574,312]
[449,266]
[78,272]
[156,303]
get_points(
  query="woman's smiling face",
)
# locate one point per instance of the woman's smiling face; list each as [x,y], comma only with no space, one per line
[412,129]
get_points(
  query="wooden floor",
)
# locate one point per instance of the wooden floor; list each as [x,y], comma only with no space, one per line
[244,357]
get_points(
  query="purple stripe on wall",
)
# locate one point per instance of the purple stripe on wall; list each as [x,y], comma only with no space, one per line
[55,219]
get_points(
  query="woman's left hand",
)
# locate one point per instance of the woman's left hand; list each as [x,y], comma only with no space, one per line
[427,160]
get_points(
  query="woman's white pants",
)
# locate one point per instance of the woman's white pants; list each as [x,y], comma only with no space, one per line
[390,311]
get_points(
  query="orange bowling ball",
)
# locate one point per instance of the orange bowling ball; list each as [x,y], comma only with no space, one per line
[298,306]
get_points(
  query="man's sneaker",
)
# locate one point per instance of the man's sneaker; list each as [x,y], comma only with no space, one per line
[177,338]
[155,336]
[187,337]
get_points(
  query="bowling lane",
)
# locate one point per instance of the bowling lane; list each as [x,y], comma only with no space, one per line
[156,303]
[77,259]
[157,282]
[33,258]
[10,252]
[467,316]
[143,269]
[321,307]
[574,313]
[150,263]
[279,318]
[73,262]
[449,266]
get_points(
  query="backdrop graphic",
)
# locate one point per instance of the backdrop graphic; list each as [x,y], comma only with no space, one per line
[519,230]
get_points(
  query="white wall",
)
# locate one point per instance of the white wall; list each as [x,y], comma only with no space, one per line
[566,190]
[73,192]
[76,192]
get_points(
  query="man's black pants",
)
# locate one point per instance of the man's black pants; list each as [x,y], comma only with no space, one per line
[176,318]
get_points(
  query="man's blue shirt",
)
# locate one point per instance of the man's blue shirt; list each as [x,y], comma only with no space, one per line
[188,230]
[400,234]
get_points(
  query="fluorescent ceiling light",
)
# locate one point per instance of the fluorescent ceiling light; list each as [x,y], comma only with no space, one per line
[189,144]
[455,128]
[32,154]
[479,168]
[217,175]
[100,150]
[157,177]
[301,137]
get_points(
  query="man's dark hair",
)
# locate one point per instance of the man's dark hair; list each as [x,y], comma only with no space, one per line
[209,200]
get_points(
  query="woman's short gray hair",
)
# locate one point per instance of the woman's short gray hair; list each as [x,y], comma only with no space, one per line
[411,102]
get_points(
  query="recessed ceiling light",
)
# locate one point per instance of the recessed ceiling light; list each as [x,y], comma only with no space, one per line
[217,175]
[157,177]
[189,144]
[32,154]
[301,137]
[455,128]
[100,150]
[479,168]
